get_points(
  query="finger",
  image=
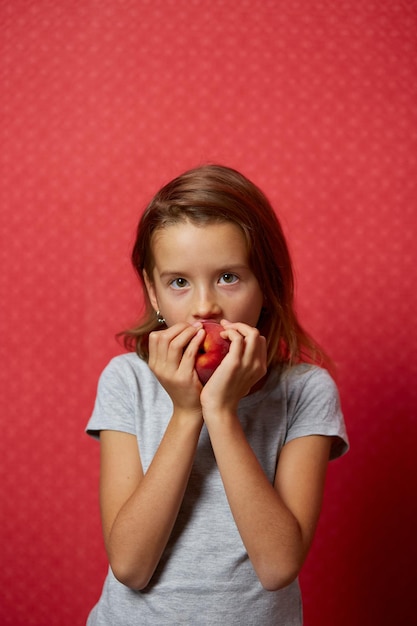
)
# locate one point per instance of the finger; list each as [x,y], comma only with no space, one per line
[238,333]
[189,354]
[180,342]
[243,329]
[175,336]
[166,346]
[250,348]
[195,342]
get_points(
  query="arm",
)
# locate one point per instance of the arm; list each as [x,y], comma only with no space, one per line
[276,522]
[139,510]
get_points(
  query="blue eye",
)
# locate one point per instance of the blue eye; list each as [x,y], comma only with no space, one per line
[179,283]
[228,279]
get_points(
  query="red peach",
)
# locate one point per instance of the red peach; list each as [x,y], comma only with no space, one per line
[212,351]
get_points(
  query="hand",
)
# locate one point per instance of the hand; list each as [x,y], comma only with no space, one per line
[243,366]
[172,354]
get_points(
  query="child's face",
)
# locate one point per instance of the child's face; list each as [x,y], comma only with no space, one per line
[203,273]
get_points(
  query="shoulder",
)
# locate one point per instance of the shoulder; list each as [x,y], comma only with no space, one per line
[129,361]
[305,379]
[123,378]
[313,404]
[128,378]
[126,369]
[125,385]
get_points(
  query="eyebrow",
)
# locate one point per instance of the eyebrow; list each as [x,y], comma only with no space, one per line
[226,269]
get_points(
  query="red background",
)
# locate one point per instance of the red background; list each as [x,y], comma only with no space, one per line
[103,101]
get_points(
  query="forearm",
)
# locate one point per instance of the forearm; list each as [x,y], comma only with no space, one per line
[143,525]
[269,530]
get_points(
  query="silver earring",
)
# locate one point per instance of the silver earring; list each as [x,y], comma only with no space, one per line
[160,317]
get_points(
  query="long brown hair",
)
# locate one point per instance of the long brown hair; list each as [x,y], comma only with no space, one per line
[215,193]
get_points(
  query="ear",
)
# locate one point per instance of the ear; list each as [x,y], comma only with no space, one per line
[150,288]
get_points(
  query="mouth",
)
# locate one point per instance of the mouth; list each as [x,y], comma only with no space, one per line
[208,321]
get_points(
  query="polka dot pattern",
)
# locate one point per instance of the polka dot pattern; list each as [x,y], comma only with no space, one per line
[103,101]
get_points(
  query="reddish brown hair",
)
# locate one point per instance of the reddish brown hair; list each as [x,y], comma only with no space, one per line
[214,193]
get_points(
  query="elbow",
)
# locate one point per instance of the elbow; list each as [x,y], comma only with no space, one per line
[275,583]
[133,581]
[274,577]
[133,569]
[129,577]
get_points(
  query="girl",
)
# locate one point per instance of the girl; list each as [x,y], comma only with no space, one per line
[210,495]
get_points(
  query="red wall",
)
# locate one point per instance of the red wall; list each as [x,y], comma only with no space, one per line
[102,101]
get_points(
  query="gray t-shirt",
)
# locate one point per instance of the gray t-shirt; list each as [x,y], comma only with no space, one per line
[205,577]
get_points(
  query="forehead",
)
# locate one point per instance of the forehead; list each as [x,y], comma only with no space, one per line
[223,242]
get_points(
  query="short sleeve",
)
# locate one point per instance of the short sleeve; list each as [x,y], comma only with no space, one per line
[315,409]
[115,403]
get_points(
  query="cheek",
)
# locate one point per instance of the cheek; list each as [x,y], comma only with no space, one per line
[249,310]
[256,308]
[172,310]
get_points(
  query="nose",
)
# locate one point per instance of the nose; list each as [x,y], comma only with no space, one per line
[206,305]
